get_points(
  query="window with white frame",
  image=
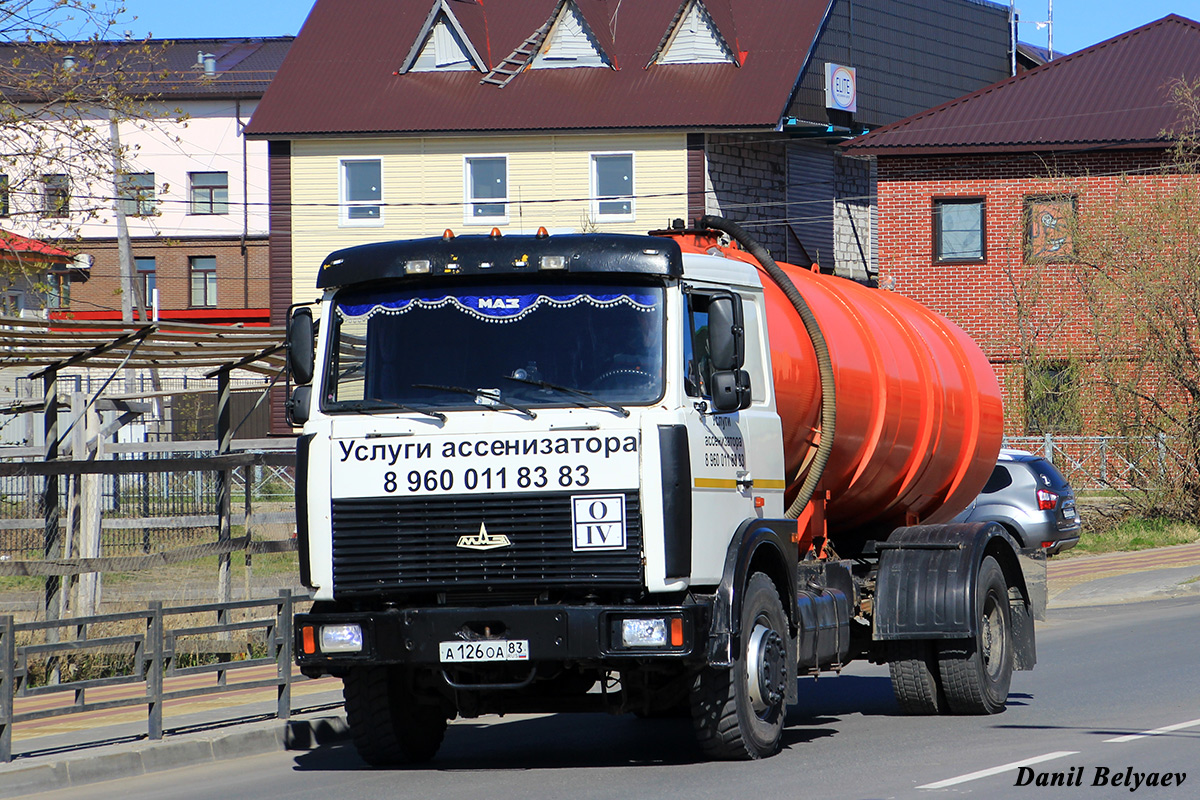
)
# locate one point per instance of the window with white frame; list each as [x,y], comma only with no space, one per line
[362,191]
[487,190]
[612,187]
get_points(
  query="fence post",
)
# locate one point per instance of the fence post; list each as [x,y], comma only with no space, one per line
[8,685]
[224,486]
[154,675]
[1048,449]
[1104,460]
[283,653]
[53,537]
[1162,454]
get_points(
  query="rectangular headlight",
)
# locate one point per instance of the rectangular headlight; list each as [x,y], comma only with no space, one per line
[554,262]
[344,638]
[644,632]
[418,266]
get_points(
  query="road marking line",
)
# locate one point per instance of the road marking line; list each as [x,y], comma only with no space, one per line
[1168,729]
[987,773]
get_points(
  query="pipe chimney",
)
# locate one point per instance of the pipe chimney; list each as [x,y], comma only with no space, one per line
[210,65]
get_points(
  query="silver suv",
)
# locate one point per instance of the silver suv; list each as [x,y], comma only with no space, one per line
[1030,498]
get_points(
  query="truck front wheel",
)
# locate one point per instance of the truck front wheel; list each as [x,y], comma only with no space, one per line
[738,713]
[976,673]
[387,723]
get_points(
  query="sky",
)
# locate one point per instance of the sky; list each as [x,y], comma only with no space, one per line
[1077,23]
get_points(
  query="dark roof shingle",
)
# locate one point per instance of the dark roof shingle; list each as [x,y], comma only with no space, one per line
[1112,94]
[160,68]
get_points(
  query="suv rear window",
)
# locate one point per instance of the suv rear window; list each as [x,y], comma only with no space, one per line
[1048,475]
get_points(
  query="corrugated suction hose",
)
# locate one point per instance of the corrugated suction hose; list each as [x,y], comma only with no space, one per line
[820,346]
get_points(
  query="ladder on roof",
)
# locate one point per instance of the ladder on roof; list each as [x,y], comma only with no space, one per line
[518,59]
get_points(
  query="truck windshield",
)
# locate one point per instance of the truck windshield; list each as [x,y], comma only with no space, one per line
[519,343]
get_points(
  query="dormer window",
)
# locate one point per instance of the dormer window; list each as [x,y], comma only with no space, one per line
[695,39]
[442,45]
[570,43]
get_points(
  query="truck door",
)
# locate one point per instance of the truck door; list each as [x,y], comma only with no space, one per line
[736,457]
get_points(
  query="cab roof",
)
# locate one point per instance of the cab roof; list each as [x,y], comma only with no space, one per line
[502,255]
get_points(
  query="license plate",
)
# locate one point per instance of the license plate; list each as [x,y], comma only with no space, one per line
[1069,512]
[490,650]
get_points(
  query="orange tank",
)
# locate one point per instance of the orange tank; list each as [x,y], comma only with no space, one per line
[919,414]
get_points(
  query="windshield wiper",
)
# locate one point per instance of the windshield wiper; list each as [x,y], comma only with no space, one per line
[495,398]
[374,403]
[595,401]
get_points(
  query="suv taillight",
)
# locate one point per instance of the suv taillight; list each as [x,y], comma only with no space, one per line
[1047,499]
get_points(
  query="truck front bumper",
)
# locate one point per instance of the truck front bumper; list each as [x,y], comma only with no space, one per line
[554,633]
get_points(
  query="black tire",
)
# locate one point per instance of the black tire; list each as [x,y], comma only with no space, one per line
[738,713]
[915,679]
[386,723]
[976,673]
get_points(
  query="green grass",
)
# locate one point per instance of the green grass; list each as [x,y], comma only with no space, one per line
[1133,534]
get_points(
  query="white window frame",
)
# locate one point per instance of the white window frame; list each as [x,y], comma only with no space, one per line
[470,201]
[594,193]
[345,204]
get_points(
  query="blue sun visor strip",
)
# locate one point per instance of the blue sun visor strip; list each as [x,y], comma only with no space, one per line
[490,307]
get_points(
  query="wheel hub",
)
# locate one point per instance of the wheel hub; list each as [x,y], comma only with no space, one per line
[766,668]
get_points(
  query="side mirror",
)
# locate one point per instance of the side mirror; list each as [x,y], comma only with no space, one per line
[730,390]
[298,404]
[301,357]
[726,334]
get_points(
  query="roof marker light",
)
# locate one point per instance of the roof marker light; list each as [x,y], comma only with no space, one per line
[495,233]
[447,234]
[542,233]
[417,267]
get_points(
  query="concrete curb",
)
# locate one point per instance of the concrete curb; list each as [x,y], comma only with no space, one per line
[186,750]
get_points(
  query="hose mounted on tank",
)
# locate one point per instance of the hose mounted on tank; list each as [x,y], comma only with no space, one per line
[820,346]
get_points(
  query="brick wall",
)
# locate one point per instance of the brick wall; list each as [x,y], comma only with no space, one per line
[1003,302]
[749,184]
[241,281]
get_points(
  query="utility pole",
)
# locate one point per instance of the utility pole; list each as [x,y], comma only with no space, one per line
[124,248]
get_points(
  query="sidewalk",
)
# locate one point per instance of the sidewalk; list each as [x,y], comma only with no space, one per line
[73,750]
[1124,577]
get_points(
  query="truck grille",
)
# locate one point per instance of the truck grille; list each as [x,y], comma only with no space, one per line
[410,544]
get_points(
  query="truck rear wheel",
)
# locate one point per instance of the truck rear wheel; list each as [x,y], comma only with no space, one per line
[976,673]
[738,713]
[915,679]
[386,722]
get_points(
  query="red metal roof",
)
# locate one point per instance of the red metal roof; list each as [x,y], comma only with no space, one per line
[14,247]
[1112,94]
[340,76]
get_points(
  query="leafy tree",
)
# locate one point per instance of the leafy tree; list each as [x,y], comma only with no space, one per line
[65,76]
[1141,287]
[1119,319]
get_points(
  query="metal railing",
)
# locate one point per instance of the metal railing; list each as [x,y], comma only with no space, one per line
[1101,462]
[157,655]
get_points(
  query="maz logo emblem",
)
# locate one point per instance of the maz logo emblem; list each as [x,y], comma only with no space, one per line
[483,540]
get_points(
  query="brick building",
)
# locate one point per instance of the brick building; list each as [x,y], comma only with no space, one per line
[193,188]
[978,201]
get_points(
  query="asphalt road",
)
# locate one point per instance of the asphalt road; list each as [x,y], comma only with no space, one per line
[1106,675]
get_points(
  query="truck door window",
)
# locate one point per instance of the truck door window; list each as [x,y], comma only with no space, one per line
[695,346]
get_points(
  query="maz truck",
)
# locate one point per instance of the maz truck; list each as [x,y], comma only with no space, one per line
[652,474]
